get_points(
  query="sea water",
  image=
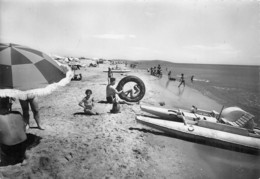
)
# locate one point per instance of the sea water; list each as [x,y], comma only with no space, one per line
[229,85]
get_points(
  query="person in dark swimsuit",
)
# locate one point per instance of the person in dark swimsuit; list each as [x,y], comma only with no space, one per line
[191,79]
[13,138]
[182,80]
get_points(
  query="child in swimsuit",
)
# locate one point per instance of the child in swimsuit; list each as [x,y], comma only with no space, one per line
[88,103]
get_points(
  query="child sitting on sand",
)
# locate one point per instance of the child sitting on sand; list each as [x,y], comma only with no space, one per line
[88,103]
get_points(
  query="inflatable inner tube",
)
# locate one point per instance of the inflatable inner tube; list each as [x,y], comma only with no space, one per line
[139,83]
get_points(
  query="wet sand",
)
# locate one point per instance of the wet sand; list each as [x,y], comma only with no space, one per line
[108,145]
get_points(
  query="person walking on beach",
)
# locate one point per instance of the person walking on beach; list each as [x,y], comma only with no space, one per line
[169,78]
[182,80]
[32,101]
[169,74]
[109,74]
[191,79]
[87,103]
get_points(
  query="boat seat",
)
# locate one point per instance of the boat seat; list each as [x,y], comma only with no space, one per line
[225,121]
[241,122]
[223,127]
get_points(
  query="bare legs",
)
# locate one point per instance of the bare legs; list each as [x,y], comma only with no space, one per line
[35,109]
[133,92]
[182,82]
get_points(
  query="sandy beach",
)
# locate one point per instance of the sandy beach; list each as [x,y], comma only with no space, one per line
[108,145]
[212,45]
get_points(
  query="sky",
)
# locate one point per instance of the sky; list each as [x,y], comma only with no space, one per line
[186,31]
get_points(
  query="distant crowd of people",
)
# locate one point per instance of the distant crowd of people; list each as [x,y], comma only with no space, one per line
[156,71]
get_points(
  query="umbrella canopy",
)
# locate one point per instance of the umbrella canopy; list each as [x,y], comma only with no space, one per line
[25,70]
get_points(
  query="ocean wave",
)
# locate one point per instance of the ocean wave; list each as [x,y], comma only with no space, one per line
[202,80]
[245,98]
[196,79]
[226,88]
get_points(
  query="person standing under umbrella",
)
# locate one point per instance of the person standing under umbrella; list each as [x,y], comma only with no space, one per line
[25,71]
[32,101]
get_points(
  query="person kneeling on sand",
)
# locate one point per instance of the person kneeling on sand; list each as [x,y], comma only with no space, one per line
[87,103]
[111,93]
[12,135]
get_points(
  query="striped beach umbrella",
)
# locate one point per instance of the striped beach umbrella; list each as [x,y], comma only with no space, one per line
[26,71]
